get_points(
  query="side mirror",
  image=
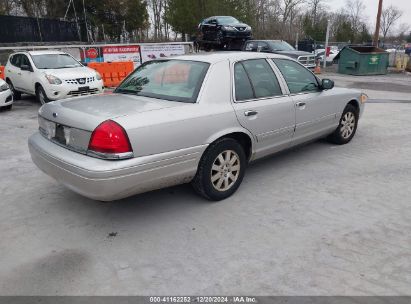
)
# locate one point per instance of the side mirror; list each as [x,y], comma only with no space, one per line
[327,84]
[25,67]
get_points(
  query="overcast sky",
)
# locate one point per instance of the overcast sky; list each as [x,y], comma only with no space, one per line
[372,7]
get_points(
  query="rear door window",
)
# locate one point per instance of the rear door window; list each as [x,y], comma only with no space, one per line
[262,81]
[15,60]
[243,88]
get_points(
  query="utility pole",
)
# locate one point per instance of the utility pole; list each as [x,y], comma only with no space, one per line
[378,23]
[326,43]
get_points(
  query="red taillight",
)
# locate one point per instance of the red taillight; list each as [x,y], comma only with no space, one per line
[109,137]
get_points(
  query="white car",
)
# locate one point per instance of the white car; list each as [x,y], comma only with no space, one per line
[50,75]
[330,57]
[6,97]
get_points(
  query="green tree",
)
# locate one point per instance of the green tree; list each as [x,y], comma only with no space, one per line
[364,35]
[130,16]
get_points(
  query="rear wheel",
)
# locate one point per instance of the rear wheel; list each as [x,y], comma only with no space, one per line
[16,94]
[347,127]
[221,170]
[41,95]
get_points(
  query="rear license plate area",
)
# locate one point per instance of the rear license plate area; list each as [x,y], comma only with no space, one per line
[60,136]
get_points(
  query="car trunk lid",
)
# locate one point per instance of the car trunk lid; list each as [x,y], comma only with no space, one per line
[71,122]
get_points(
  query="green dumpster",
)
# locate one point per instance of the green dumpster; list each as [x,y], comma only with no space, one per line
[362,60]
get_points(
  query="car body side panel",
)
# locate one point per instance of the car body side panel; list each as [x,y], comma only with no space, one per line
[189,124]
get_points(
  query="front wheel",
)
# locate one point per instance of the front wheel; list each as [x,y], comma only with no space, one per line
[347,126]
[16,94]
[221,170]
[41,95]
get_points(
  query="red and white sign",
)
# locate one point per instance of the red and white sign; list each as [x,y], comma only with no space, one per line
[122,53]
[92,53]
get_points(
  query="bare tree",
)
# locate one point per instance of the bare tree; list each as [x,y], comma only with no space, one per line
[289,15]
[7,6]
[157,11]
[389,17]
[355,11]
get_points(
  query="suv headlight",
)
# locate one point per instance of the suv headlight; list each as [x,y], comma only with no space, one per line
[53,79]
[98,76]
[248,28]
[4,87]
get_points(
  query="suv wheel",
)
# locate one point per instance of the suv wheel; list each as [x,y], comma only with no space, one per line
[221,170]
[16,94]
[41,95]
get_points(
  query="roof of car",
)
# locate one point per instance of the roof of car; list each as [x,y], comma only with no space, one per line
[42,52]
[214,57]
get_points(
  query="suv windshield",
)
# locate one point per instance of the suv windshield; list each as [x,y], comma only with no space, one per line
[227,20]
[175,80]
[281,46]
[55,61]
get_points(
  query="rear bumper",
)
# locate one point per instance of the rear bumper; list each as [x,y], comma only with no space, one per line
[107,180]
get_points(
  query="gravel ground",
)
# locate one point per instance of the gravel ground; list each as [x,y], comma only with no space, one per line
[316,220]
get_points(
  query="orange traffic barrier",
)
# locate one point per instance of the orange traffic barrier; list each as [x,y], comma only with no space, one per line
[1,71]
[113,73]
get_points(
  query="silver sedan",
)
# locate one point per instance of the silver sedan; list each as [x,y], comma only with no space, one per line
[196,118]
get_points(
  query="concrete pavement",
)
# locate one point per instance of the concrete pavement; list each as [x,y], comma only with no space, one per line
[317,220]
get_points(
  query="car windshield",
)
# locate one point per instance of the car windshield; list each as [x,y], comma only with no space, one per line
[227,20]
[175,80]
[281,46]
[55,61]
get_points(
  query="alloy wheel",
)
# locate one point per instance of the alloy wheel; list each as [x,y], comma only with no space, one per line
[347,125]
[225,170]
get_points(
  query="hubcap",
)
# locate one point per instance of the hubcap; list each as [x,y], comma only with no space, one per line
[347,125]
[41,97]
[225,170]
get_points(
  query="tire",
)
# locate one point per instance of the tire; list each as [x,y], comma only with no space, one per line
[216,178]
[41,96]
[347,127]
[8,108]
[220,39]
[16,94]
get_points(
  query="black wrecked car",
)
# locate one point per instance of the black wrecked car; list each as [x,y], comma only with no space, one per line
[223,31]
[283,48]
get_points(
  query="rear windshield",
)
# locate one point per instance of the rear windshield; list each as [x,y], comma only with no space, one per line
[175,80]
[281,46]
[55,61]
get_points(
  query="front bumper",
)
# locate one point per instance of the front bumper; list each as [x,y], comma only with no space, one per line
[61,91]
[6,98]
[237,35]
[108,180]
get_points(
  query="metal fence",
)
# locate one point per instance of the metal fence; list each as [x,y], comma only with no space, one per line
[27,29]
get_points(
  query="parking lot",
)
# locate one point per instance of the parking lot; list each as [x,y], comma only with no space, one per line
[316,220]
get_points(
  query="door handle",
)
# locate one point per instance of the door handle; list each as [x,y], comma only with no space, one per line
[250,113]
[300,104]
[18,73]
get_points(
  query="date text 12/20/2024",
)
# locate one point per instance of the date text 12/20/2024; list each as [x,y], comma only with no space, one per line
[203,299]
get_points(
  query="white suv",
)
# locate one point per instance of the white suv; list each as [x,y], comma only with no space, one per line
[50,75]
